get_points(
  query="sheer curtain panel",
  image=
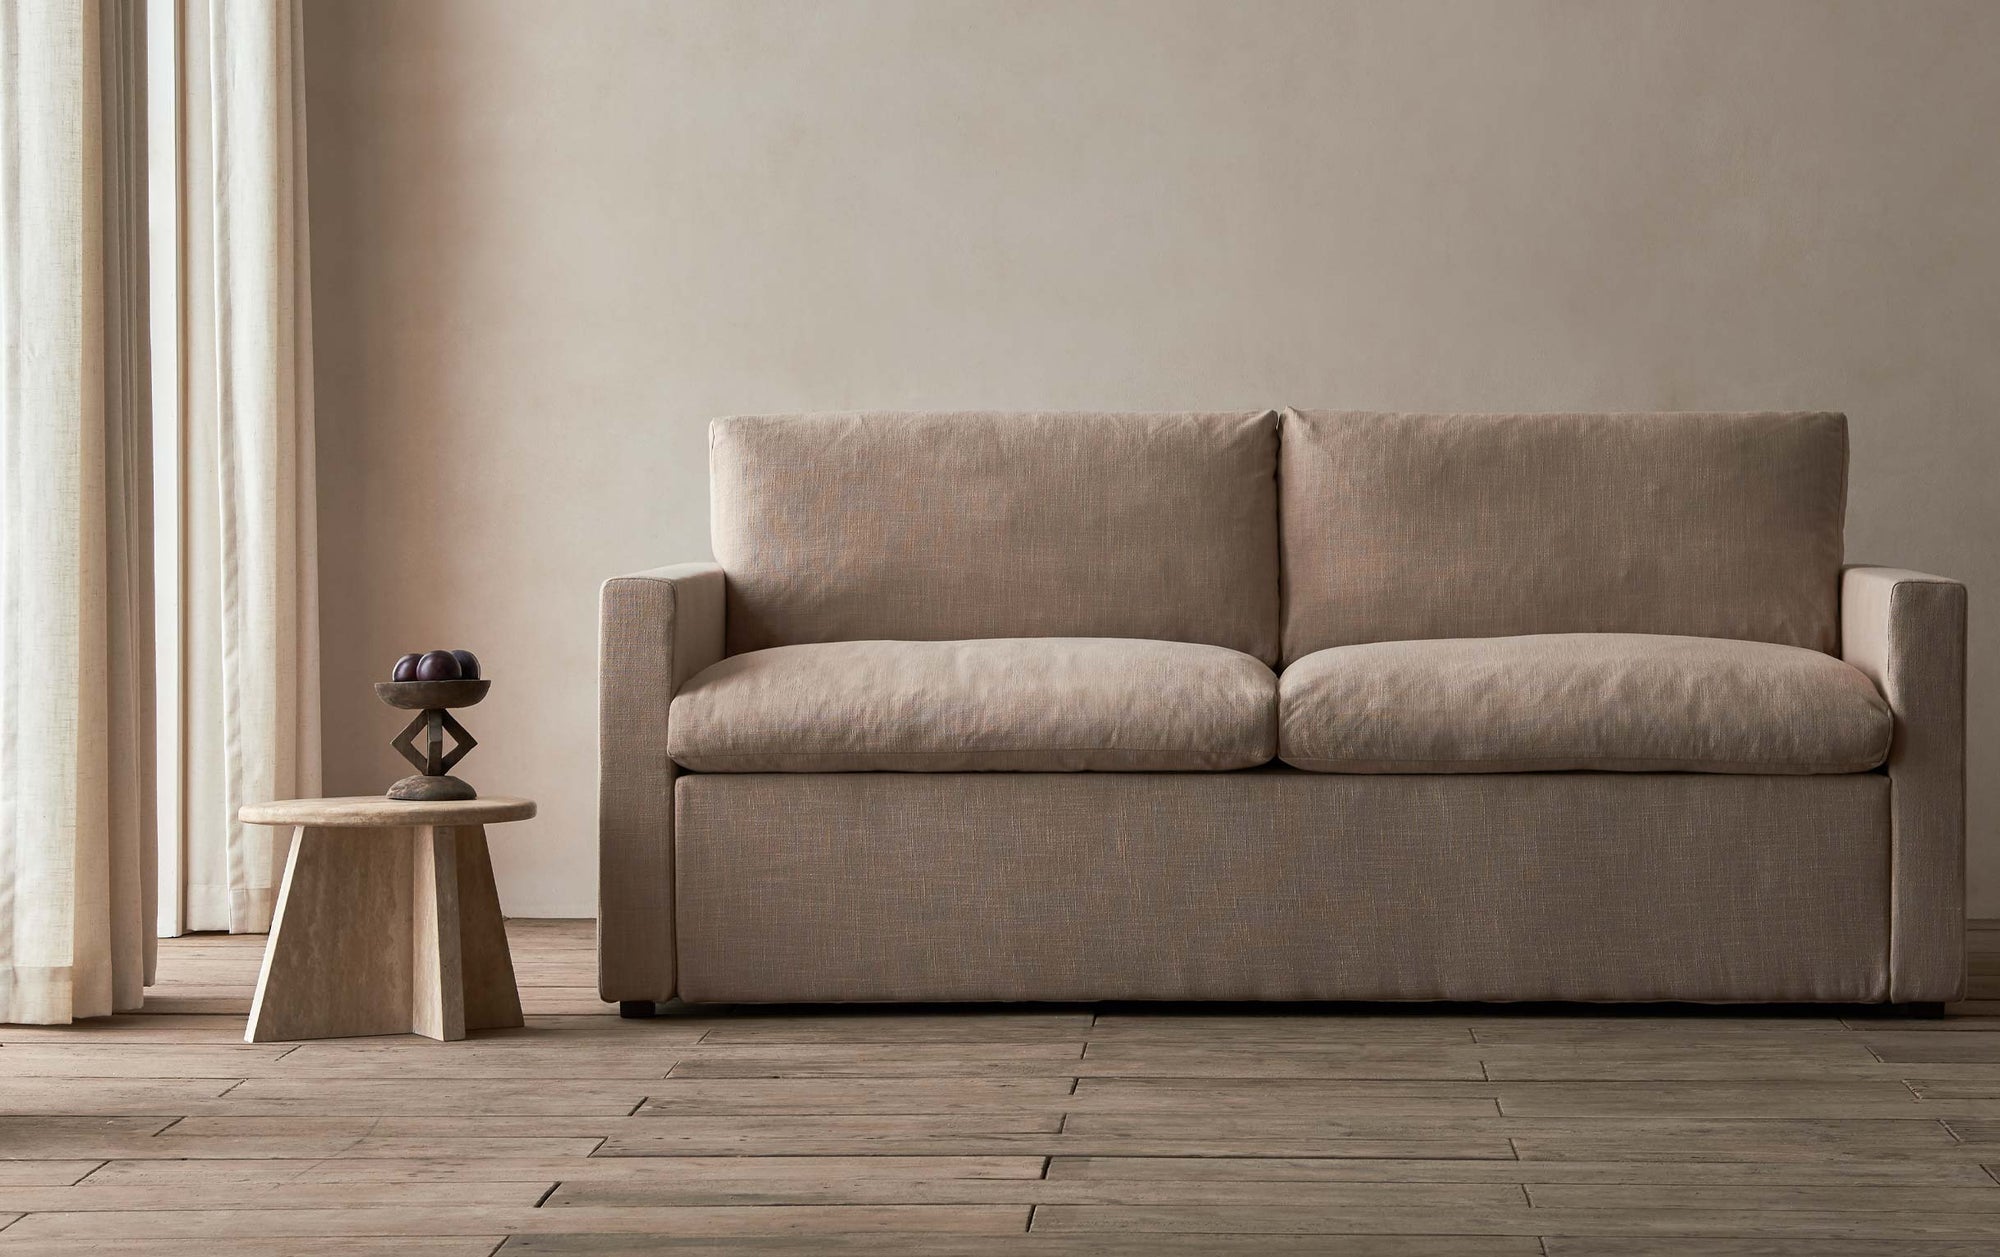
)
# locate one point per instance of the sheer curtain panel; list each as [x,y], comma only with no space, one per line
[250,623]
[76,685]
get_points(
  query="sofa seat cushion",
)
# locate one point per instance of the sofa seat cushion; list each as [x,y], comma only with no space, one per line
[1038,704]
[1623,702]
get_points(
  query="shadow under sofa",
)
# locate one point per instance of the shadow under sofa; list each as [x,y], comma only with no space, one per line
[1263,706]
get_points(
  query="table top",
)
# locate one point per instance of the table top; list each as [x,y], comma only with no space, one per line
[372,811]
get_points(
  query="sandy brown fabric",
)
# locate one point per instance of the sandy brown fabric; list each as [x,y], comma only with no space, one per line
[1907,631]
[656,629]
[1623,702]
[1278,884]
[1034,704]
[1402,526]
[935,527]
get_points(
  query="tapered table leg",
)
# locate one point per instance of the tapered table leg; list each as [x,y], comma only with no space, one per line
[492,1001]
[437,985]
[338,959]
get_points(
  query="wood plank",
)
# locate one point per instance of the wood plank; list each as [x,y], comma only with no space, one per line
[1280,1026]
[1773,1098]
[908,1027]
[1981,1133]
[1032,1245]
[1733,1173]
[130,1028]
[1361,1060]
[401,1058]
[1693,1028]
[1037,1192]
[1817,1059]
[756,1126]
[250,1246]
[1776,1139]
[1316,1220]
[112,1097]
[408,1097]
[858,1095]
[654,1170]
[44,1173]
[125,1060]
[1926,1049]
[147,1226]
[46,1138]
[685,1143]
[1902,1197]
[1640,1246]
[1886,1097]
[1917,1133]
[98,1196]
[38,1138]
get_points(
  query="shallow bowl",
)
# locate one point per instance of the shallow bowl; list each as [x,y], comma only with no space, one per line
[424,695]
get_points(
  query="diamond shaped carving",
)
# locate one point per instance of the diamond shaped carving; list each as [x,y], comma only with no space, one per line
[434,723]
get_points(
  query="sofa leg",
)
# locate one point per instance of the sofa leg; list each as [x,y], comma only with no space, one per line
[632,1009]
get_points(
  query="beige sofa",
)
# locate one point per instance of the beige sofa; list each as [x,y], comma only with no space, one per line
[1281,706]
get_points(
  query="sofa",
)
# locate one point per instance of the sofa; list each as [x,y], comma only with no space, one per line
[1299,705]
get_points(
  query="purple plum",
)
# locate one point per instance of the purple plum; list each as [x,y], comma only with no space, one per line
[405,669]
[468,664]
[438,665]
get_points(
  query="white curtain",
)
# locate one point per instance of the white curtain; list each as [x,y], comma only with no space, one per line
[76,718]
[251,619]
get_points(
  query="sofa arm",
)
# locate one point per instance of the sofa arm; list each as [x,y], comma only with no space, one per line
[1907,632]
[656,630]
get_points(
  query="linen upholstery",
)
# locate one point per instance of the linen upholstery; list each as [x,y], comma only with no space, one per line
[1406,526]
[1625,702]
[1049,704]
[1277,884]
[930,527]
[1907,632]
[657,629]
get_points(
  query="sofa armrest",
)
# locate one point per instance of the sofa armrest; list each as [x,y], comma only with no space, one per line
[1907,632]
[656,629]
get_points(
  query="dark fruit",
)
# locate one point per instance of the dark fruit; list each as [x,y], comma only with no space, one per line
[468,664]
[438,665]
[405,669]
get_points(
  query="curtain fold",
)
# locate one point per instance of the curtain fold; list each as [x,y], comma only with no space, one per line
[77,854]
[251,618]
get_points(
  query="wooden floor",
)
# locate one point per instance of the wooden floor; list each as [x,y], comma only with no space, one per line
[1038,1131]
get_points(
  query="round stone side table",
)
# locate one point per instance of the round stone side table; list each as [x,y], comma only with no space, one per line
[387,922]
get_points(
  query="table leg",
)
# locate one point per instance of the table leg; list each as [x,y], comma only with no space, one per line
[437,984]
[492,1001]
[386,931]
[338,959]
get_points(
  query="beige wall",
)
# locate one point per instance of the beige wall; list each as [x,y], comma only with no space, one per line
[550,240]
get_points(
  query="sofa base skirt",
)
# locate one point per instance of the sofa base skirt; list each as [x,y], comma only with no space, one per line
[1281,885]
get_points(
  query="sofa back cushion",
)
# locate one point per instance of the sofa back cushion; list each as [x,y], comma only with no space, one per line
[942,527]
[1400,527]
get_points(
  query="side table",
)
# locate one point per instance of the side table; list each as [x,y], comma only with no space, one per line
[387,922]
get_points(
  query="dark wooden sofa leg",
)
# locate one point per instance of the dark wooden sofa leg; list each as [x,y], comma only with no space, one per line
[631,1009]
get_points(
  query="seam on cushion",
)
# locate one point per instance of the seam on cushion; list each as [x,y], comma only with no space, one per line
[1033,750]
[1642,764]
[818,764]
